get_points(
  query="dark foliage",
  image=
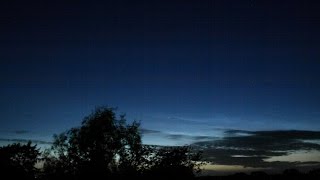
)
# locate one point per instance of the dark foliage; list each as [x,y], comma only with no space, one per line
[106,146]
[286,174]
[18,161]
[175,161]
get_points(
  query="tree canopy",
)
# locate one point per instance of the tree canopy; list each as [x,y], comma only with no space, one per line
[105,145]
[18,160]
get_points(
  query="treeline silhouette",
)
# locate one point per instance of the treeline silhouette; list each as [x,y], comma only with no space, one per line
[103,147]
[286,174]
[106,147]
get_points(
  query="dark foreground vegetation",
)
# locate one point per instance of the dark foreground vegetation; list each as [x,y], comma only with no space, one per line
[103,147]
[287,174]
[106,147]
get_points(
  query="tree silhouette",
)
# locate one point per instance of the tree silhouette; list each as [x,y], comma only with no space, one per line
[101,146]
[175,161]
[18,160]
[315,172]
[106,146]
[291,172]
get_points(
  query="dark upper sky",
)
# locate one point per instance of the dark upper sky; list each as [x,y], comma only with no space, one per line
[184,66]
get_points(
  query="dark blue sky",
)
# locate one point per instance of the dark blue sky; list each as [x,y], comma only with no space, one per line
[185,67]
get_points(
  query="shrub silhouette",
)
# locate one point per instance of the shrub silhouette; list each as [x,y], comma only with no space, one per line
[291,172]
[106,146]
[175,161]
[314,172]
[18,160]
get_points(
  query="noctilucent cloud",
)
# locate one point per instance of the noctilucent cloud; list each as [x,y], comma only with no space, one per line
[188,70]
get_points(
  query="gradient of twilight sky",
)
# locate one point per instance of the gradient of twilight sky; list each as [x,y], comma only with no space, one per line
[186,69]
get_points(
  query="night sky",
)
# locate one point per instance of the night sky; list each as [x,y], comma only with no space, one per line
[235,74]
